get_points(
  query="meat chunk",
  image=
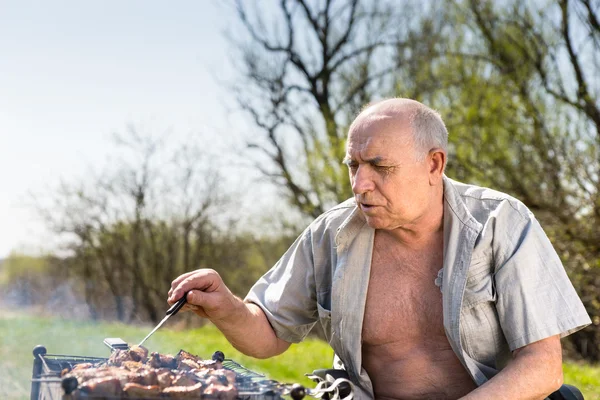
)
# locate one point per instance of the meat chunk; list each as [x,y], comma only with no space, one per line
[153,360]
[187,365]
[167,361]
[184,379]
[146,377]
[132,365]
[82,366]
[106,386]
[118,357]
[84,375]
[165,378]
[221,392]
[141,391]
[138,353]
[156,360]
[180,392]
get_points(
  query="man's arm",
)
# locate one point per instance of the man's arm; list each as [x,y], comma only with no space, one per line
[534,372]
[243,324]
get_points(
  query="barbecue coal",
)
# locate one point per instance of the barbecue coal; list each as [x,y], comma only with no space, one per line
[134,373]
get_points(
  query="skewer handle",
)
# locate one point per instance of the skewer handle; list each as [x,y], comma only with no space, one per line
[177,306]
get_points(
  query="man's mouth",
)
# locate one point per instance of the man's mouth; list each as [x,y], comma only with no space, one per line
[367,207]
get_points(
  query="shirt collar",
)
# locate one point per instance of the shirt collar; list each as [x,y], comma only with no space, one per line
[455,204]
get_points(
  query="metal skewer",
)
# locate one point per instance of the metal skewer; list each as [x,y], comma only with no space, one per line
[170,312]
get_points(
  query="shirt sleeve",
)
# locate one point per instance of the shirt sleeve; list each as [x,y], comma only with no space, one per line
[286,293]
[535,298]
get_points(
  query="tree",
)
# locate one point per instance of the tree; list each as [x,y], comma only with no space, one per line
[307,67]
[133,229]
[519,88]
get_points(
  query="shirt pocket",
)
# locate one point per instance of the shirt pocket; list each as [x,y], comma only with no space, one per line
[481,334]
[480,282]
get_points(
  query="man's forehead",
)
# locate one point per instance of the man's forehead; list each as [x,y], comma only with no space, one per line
[380,123]
[379,130]
[374,152]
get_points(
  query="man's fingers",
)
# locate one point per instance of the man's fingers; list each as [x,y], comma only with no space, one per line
[197,309]
[200,280]
[190,307]
[205,292]
[178,280]
[205,301]
[197,298]
[180,285]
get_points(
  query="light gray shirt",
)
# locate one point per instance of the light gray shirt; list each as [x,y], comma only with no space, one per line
[503,285]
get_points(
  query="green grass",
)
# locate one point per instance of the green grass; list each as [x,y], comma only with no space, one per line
[20,334]
[585,377]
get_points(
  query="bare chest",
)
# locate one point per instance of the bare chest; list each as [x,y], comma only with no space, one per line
[404,347]
[403,302]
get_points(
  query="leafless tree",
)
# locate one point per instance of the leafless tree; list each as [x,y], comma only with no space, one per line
[307,67]
[136,227]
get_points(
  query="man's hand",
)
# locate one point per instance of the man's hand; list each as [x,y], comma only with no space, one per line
[207,295]
[244,325]
[534,373]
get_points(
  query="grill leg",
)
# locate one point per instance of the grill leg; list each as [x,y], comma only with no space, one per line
[37,371]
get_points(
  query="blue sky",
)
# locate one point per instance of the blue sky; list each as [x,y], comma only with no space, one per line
[73,72]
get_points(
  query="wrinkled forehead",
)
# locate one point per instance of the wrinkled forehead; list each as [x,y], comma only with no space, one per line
[392,128]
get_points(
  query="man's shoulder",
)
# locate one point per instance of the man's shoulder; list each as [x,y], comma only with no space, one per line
[480,199]
[479,192]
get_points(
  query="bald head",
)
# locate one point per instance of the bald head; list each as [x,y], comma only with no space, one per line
[424,124]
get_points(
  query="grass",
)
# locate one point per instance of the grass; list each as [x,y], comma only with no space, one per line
[20,334]
[585,377]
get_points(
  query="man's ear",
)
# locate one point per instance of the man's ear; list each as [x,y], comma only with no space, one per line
[437,162]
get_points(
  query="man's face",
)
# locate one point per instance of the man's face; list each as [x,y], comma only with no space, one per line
[391,188]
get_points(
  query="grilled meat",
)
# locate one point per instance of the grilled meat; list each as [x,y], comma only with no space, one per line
[220,392]
[165,377]
[157,360]
[107,386]
[167,361]
[182,392]
[184,379]
[138,353]
[83,366]
[135,374]
[137,390]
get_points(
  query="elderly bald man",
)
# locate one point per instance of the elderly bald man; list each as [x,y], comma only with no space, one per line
[426,288]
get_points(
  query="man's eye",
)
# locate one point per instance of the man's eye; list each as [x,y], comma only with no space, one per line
[384,169]
[353,166]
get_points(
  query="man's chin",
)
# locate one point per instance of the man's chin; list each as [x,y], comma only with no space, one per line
[374,222]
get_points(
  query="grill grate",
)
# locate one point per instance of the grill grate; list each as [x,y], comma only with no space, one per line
[46,381]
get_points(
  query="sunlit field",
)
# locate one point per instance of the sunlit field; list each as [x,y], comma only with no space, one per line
[585,377]
[20,334]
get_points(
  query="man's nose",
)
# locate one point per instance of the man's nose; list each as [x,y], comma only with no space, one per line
[362,181]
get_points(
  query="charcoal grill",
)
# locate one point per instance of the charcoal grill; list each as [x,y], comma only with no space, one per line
[46,383]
